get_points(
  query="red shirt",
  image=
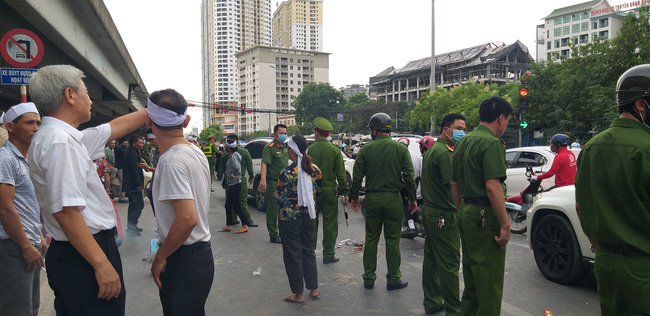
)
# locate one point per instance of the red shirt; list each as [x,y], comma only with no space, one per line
[564,168]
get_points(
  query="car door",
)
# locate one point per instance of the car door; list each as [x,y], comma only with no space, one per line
[516,163]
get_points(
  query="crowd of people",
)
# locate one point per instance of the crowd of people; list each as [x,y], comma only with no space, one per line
[51,185]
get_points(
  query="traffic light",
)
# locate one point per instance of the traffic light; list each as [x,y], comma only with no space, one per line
[523,124]
[243,108]
[523,101]
[216,107]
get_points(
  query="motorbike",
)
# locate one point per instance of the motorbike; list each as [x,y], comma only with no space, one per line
[418,221]
[518,205]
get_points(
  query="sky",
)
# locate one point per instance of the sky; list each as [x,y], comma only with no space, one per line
[364,37]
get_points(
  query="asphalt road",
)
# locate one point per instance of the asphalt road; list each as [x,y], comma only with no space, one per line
[236,291]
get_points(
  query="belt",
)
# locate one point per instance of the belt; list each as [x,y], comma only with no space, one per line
[382,191]
[625,249]
[478,201]
[102,235]
[195,247]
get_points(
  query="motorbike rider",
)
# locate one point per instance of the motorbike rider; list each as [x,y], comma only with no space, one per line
[417,166]
[564,165]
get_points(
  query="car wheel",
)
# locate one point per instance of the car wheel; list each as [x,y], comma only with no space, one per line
[259,197]
[557,251]
[517,221]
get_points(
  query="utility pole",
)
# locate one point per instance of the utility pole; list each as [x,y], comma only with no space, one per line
[432,80]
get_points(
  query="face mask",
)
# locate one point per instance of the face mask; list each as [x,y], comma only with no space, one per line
[282,137]
[456,136]
[125,146]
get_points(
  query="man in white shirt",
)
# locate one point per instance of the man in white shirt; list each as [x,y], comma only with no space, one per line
[83,264]
[183,267]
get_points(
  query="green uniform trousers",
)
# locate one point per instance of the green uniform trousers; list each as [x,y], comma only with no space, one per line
[441,264]
[483,262]
[271,207]
[243,198]
[212,167]
[327,205]
[383,209]
[623,282]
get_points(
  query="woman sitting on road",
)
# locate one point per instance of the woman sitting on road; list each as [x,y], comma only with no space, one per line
[298,186]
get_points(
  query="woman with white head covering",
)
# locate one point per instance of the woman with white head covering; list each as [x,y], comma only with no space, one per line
[298,186]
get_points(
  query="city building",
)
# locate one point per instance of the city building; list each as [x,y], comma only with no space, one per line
[577,25]
[298,24]
[228,27]
[270,78]
[353,89]
[490,63]
[287,119]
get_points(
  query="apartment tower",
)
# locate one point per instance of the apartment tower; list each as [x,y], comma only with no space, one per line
[298,24]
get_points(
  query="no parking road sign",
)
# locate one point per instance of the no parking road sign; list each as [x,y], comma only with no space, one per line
[21,48]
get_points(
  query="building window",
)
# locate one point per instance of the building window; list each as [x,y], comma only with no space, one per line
[604,34]
[585,15]
[584,26]
[548,45]
[566,19]
[574,40]
[566,30]
[594,25]
[594,36]
[557,32]
[575,28]
[557,21]
[564,53]
[548,56]
[565,42]
[584,38]
[604,22]
[557,44]
[575,17]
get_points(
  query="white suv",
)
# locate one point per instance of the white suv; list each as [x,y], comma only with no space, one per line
[561,248]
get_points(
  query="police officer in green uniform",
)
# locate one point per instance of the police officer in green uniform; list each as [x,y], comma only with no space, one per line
[330,161]
[613,196]
[442,243]
[479,172]
[274,159]
[246,165]
[210,151]
[382,162]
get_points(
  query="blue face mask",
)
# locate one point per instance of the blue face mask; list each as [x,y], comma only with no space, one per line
[457,135]
[282,137]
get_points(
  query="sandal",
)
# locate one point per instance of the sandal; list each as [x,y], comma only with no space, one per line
[291,300]
[317,296]
[242,230]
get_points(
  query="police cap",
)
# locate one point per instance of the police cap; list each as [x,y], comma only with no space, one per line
[323,124]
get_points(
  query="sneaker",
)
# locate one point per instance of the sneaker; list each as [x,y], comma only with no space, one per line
[410,234]
[132,232]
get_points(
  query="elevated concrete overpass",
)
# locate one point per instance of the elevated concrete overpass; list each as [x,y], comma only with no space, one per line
[80,33]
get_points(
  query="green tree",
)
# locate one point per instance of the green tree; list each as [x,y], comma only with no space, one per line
[576,96]
[211,131]
[464,99]
[318,99]
[257,134]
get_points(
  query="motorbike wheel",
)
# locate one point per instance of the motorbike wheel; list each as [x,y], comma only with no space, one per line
[517,222]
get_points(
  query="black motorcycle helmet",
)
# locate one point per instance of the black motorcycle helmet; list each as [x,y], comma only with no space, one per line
[633,84]
[380,121]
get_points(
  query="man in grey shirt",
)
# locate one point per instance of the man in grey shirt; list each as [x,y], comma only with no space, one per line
[21,241]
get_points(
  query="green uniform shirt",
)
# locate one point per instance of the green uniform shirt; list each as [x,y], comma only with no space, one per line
[436,175]
[478,156]
[330,161]
[246,163]
[383,162]
[276,158]
[613,185]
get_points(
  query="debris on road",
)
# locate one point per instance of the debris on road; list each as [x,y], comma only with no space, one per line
[257,271]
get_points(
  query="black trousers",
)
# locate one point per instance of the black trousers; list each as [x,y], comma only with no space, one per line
[233,204]
[298,238]
[187,280]
[136,204]
[73,281]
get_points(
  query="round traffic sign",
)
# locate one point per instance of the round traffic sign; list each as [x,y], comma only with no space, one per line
[22,48]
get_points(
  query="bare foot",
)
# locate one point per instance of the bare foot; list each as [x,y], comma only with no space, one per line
[228,228]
